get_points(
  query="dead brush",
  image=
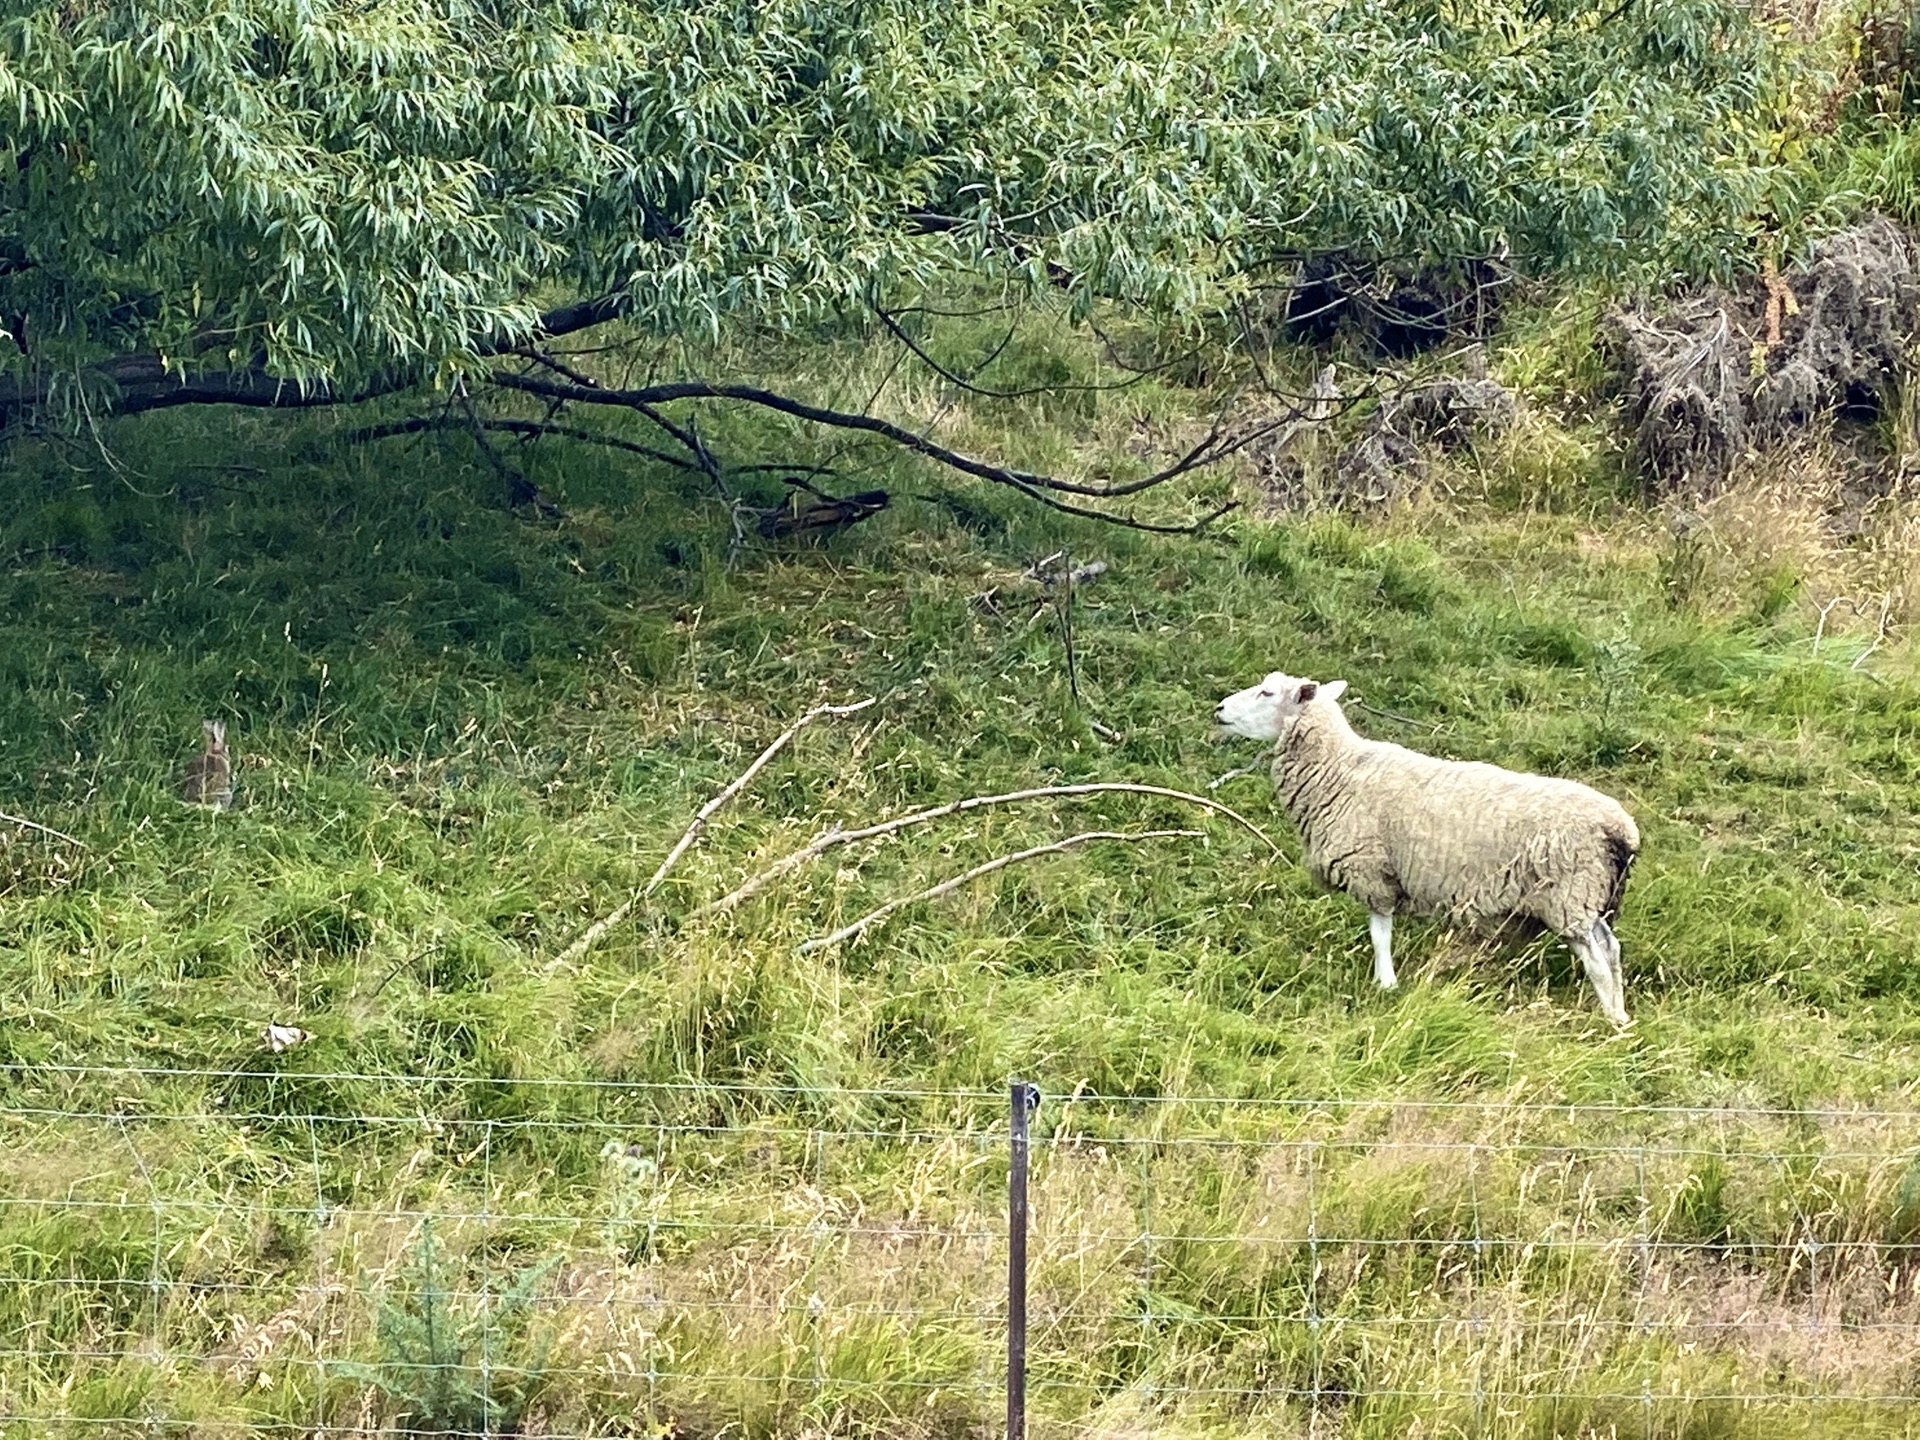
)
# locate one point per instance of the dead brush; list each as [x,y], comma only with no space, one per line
[1792,529]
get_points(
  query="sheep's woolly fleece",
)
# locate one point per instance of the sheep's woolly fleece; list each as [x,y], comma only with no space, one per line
[1408,833]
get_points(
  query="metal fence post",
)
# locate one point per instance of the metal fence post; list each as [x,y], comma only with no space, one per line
[1025,1098]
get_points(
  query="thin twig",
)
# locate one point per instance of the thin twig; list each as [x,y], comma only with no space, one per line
[835,836]
[1396,715]
[1879,634]
[1879,631]
[972,387]
[1066,628]
[1069,577]
[686,436]
[559,367]
[43,829]
[745,779]
[591,935]
[520,490]
[847,932]
[1257,765]
[1820,630]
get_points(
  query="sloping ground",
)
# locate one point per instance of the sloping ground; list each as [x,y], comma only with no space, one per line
[461,738]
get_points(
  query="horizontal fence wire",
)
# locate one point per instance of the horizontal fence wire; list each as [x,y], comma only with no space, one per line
[224,1251]
[18,1073]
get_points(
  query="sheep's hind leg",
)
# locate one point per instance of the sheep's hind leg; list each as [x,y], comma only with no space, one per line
[1597,949]
[1610,946]
[1380,927]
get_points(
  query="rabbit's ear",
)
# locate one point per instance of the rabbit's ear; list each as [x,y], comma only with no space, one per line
[216,730]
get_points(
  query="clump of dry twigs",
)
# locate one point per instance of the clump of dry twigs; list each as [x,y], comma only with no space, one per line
[1713,377]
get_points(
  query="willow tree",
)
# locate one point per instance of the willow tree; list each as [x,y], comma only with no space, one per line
[294,202]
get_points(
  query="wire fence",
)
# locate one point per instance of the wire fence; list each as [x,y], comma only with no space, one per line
[207,1252]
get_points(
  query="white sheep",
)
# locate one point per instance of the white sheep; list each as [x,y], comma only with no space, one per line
[1403,832]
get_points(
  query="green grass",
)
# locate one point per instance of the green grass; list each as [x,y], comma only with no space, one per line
[461,737]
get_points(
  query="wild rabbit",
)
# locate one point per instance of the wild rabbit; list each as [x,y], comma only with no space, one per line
[209,778]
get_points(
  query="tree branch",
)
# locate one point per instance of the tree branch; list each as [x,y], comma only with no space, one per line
[520,490]
[142,382]
[952,378]
[1035,486]
[848,932]
[27,824]
[591,935]
[829,839]
[688,436]
[145,381]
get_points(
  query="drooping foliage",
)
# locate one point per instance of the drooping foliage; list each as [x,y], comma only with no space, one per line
[332,189]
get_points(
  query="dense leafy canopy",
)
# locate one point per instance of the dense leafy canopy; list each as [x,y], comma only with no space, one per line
[330,189]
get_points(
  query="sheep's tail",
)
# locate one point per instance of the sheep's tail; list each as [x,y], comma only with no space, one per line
[1621,850]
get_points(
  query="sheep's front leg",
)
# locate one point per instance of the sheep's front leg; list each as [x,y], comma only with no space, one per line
[1597,949]
[1380,927]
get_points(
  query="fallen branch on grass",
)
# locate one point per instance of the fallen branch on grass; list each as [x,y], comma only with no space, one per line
[520,490]
[847,932]
[1046,489]
[835,836]
[22,821]
[1879,633]
[591,936]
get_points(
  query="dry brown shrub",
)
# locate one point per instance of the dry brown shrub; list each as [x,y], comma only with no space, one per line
[1796,527]
[1715,377]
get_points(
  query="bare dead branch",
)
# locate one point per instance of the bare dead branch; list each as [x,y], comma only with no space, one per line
[1257,765]
[558,366]
[1879,634]
[592,934]
[1031,483]
[848,932]
[835,836]
[1064,603]
[1115,359]
[520,490]
[27,824]
[687,436]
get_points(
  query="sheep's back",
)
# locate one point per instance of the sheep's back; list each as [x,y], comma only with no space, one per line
[1482,843]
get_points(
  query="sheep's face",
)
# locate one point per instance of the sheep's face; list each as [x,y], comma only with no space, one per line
[1264,711]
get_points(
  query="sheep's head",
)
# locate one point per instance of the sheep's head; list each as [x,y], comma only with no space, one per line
[1264,711]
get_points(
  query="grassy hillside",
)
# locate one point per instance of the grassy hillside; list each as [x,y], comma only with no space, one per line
[461,737]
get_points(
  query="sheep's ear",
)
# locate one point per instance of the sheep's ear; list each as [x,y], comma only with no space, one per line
[1333,689]
[1308,689]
